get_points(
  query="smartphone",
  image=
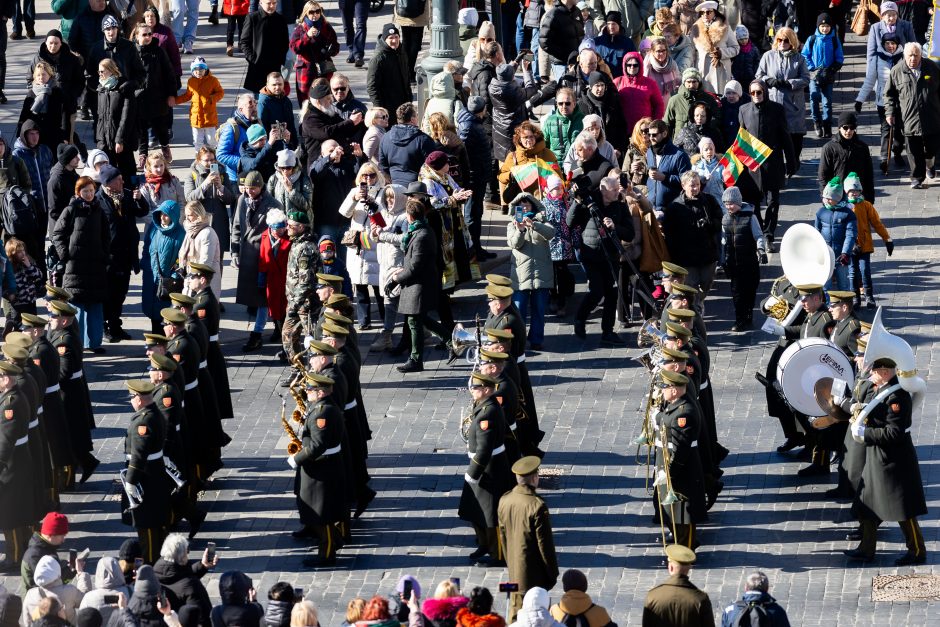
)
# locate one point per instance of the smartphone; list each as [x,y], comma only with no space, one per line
[522,55]
[214,168]
[73,557]
[364,187]
[406,592]
[455,581]
[508,586]
[210,548]
[298,594]
[519,212]
[110,599]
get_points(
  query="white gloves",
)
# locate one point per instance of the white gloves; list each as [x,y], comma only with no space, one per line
[470,479]
[660,478]
[856,407]
[307,340]
[292,462]
[858,430]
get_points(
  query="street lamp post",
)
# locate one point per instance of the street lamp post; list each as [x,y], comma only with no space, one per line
[444,45]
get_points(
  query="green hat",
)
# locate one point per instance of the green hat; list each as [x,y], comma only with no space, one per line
[139,386]
[202,270]
[155,339]
[314,380]
[337,298]
[526,466]
[61,308]
[487,356]
[841,296]
[676,315]
[498,334]
[671,378]
[299,217]
[17,338]
[32,320]
[14,352]
[321,348]
[478,378]
[499,291]
[9,368]
[336,282]
[182,299]
[173,316]
[674,329]
[57,293]
[162,362]
[680,554]
[254,179]
[683,290]
[809,289]
[672,355]
[331,329]
[340,319]
[833,189]
[498,279]
[674,269]
[852,183]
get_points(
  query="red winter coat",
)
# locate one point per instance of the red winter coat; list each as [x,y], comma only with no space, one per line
[275,267]
[235,7]
[639,95]
[311,51]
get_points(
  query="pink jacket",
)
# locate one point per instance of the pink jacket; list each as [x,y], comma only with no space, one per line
[639,95]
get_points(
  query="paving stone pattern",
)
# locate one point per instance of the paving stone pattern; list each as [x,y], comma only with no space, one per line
[588,400]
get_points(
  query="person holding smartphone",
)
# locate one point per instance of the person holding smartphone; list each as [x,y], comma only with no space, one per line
[532,270]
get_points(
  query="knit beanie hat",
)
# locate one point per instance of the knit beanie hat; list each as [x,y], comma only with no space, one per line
[741,32]
[65,153]
[475,104]
[436,160]
[147,584]
[255,132]
[199,63]
[286,158]
[254,179]
[130,550]
[731,195]
[848,118]
[109,21]
[55,524]
[506,71]
[108,173]
[594,78]
[88,617]
[691,72]
[574,579]
[390,29]
[734,86]
[47,571]
[852,183]
[487,30]
[468,16]
[833,189]
[823,18]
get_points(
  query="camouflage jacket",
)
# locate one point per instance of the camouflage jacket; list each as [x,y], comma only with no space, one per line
[302,267]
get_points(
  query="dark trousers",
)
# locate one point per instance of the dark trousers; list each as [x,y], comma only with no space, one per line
[16,540]
[155,125]
[600,287]
[151,540]
[355,13]
[920,150]
[769,224]
[26,14]
[473,211]
[411,37]
[797,139]
[897,141]
[234,22]
[913,536]
[507,38]
[744,281]
[917,13]
[364,304]
[416,325]
[117,292]
[3,56]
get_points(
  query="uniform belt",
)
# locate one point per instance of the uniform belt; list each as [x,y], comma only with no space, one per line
[35,423]
[178,427]
[76,375]
[39,410]
[520,359]
[150,458]
[671,446]
[513,426]
[214,338]
[203,364]
[23,440]
[52,388]
[496,451]
[331,451]
[350,405]
[704,385]
[191,385]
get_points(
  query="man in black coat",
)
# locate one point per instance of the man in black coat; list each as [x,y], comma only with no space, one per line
[67,65]
[323,121]
[86,28]
[472,130]
[388,78]
[264,42]
[121,51]
[155,87]
[560,33]
[481,74]
[348,104]
[122,208]
[845,153]
[333,174]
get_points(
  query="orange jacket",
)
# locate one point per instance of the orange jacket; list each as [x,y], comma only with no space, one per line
[867,218]
[205,93]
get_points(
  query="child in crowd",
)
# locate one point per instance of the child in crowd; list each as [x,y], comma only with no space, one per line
[331,263]
[29,283]
[96,160]
[730,103]
[742,248]
[823,54]
[866,218]
[204,92]
[744,65]
[709,169]
[562,245]
[839,228]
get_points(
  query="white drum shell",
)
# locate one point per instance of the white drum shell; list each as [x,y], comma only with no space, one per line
[804,363]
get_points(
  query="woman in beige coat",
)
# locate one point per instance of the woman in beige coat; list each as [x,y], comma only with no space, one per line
[715,47]
[201,244]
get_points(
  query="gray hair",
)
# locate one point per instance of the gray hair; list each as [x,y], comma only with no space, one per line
[610,183]
[757,581]
[175,549]
[592,118]
[242,98]
[912,46]
[689,176]
[586,140]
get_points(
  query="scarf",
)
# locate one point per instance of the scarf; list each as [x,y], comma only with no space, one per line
[158,181]
[318,24]
[41,104]
[109,83]
[414,226]
[116,198]
[188,249]
[787,53]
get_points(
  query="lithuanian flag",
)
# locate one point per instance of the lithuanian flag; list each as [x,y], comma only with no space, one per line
[746,151]
[534,175]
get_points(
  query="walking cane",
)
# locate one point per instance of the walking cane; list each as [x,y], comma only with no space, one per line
[890,148]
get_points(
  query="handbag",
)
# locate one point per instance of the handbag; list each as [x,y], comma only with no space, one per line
[167,285]
[865,14]
[350,238]
[325,67]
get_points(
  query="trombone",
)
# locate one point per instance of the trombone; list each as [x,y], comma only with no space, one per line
[664,477]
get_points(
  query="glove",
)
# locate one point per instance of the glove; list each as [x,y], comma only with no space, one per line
[470,479]
[307,340]
[843,259]
[889,246]
[292,462]
[771,82]
[856,407]
[776,329]
[858,106]
[762,257]
[858,430]
[660,478]
[235,260]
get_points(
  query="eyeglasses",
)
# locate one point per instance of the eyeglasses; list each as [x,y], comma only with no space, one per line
[369,175]
[849,127]
[757,92]
[653,133]
[564,103]
[102,72]
[314,12]
[147,34]
[633,65]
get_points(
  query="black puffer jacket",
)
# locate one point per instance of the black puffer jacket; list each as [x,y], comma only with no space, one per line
[52,122]
[122,222]
[117,118]
[68,72]
[560,33]
[60,191]
[236,610]
[278,614]
[319,126]
[182,585]
[508,100]
[158,83]
[86,30]
[124,54]
[840,156]
[690,226]
[481,74]
[82,239]
[388,79]
[608,107]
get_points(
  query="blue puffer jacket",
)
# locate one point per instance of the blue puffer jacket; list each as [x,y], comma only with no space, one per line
[838,227]
[231,137]
[162,247]
[823,51]
[672,163]
[38,162]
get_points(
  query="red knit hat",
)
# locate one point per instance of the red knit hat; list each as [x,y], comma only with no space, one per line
[55,524]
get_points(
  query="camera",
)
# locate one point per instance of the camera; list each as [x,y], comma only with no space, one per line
[508,586]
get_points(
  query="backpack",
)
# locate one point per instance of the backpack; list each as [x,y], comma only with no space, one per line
[576,620]
[751,615]
[410,9]
[19,217]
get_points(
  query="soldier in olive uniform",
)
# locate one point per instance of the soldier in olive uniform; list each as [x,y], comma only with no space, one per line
[487,476]
[143,448]
[891,487]
[57,431]
[493,364]
[683,296]
[16,467]
[207,309]
[302,302]
[525,530]
[677,457]
[156,344]
[321,497]
[65,336]
[816,324]
[677,601]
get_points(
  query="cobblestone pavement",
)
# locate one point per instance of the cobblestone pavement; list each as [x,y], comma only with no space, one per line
[588,399]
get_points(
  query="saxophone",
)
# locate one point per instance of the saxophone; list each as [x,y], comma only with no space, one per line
[294,446]
[296,391]
[466,418]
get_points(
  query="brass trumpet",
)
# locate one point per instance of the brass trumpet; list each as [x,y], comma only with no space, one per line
[294,446]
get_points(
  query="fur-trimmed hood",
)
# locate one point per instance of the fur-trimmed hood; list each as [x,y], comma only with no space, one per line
[711,35]
[438,609]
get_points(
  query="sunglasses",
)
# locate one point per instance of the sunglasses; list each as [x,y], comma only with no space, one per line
[653,133]
[277,225]
[564,103]
[145,34]
[633,65]
[644,131]
[757,92]
[314,12]
[370,175]
[849,127]
[341,89]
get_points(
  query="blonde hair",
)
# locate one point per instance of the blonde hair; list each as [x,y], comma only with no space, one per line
[311,4]
[304,614]
[152,158]
[446,589]
[790,34]
[370,115]
[45,67]
[12,246]
[110,66]
[196,207]
[438,124]
[369,168]
[354,610]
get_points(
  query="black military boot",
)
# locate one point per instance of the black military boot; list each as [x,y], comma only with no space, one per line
[214,16]
[254,343]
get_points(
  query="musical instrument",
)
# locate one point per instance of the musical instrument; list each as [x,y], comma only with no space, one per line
[297,392]
[134,492]
[822,392]
[652,338]
[805,257]
[294,446]
[804,364]
[173,472]
[464,341]
[466,418]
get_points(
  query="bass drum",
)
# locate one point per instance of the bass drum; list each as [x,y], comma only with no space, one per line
[803,364]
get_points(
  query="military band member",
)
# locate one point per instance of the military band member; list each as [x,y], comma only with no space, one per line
[65,336]
[16,468]
[57,293]
[683,296]
[493,364]
[322,360]
[677,456]
[143,448]
[853,460]
[525,529]
[302,303]
[57,431]
[891,485]
[847,327]
[156,344]
[321,496]
[207,309]
[677,601]
[337,309]
[487,476]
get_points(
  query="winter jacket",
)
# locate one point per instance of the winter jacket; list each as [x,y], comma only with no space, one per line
[117,118]
[560,33]
[639,95]
[766,121]
[390,254]
[332,181]
[122,222]
[108,580]
[560,130]
[531,267]
[163,35]
[298,198]
[48,576]
[86,30]
[776,615]
[691,226]
[867,218]
[82,239]
[68,10]
[441,100]
[823,54]
[235,7]
[608,107]
[232,134]
[633,13]
[38,161]
[612,50]
[371,142]
[59,191]
[876,77]
[688,137]
[13,172]
[158,82]
[318,126]
[667,77]
[580,218]
[534,612]
[838,226]
[388,78]
[466,618]
[744,65]
[272,265]
[236,610]
[422,20]
[215,202]
[335,266]
[273,109]
[204,94]
[741,241]
[477,142]
[508,100]
[728,120]
[681,107]
[443,612]
[161,252]
[403,151]
[902,28]
[52,123]
[683,53]
[715,36]
[671,162]
[183,586]
[481,74]
[786,76]
[264,44]
[711,174]
[123,53]
[574,603]
[916,100]
[522,156]
[309,52]
[840,156]
[262,160]
[36,549]
[68,72]
[277,614]
[11,606]
[362,262]
[248,227]
[420,280]
[346,107]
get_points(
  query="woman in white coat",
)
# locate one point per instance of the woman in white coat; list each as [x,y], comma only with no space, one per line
[391,202]
[201,244]
[715,46]
[362,261]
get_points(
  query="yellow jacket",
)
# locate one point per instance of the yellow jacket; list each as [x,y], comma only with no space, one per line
[204,93]
[867,218]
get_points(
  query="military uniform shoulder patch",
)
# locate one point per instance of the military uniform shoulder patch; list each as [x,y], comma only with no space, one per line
[36,360]
[167,402]
[321,423]
[499,399]
[62,349]
[681,421]
[484,425]
[8,414]
[142,430]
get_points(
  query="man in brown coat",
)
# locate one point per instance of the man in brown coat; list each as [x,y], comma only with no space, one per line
[677,602]
[525,530]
